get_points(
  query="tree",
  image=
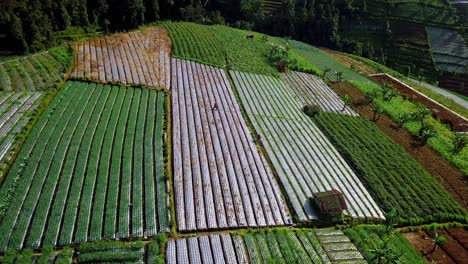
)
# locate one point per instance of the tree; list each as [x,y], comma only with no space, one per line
[426,132]
[383,254]
[370,96]
[459,142]
[377,110]
[403,118]
[421,114]
[325,72]
[311,110]
[346,101]
[339,76]
[438,241]
[388,93]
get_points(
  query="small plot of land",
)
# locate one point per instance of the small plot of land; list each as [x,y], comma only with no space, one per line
[312,90]
[135,58]
[15,109]
[454,251]
[393,177]
[371,240]
[92,168]
[276,246]
[304,158]
[111,252]
[221,46]
[37,72]
[221,180]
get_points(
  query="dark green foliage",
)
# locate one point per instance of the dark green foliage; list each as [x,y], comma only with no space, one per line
[392,177]
[65,256]
[156,249]
[459,142]
[111,251]
[311,110]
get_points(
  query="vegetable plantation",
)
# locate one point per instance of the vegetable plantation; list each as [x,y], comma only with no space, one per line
[372,240]
[92,168]
[391,175]
[275,246]
[111,252]
[15,109]
[36,72]
[312,90]
[304,158]
[135,58]
[221,179]
[222,47]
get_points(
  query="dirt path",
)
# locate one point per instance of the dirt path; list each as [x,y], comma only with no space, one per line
[359,66]
[452,179]
[453,251]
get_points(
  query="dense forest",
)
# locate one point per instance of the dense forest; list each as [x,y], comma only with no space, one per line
[29,24]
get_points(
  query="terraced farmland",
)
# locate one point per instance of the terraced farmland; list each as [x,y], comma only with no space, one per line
[220,178]
[393,177]
[135,58]
[311,90]
[276,246]
[36,72]
[304,158]
[15,109]
[449,50]
[92,168]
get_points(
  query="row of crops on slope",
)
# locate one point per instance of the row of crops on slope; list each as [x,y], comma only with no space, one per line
[92,168]
[449,50]
[111,252]
[311,90]
[442,142]
[221,46]
[135,58]
[15,110]
[377,242]
[221,179]
[393,177]
[304,158]
[48,256]
[275,246]
[36,72]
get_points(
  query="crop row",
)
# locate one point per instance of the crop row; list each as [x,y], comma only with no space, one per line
[111,251]
[393,177]
[36,72]
[221,46]
[311,90]
[79,188]
[221,179]
[136,58]
[375,239]
[304,158]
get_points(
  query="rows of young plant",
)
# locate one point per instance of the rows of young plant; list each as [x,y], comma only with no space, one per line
[304,158]
[393,177]
[221,179]
[111,252]
[15,110]
[449,50]
[92,168]
[135,58]
[207,249]
[48,256]
[36,72]
[379,243]
[311,90]
[338,246]
[222,47]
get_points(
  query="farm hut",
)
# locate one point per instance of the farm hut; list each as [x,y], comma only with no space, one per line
[330,203]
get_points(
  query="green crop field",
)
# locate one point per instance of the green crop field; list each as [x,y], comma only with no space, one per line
[92,168]
[393,177]
[373,239]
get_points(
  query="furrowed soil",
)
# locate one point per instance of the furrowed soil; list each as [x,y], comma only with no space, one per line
[451,177]
[348,62]
[453,251]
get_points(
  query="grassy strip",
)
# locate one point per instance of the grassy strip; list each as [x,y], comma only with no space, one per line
[156,252]
[392,177]
[378,241]
[110,245]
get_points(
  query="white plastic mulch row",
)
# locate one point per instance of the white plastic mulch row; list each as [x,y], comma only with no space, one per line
[134,58]
[221,180]
[339,247]
[304,158]
[311,90]
[207,249]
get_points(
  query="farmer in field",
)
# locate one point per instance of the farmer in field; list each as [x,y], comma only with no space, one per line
[215,106]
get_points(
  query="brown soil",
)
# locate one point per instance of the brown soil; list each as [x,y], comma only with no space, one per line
[359,66]
[451,252]
[450,176]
